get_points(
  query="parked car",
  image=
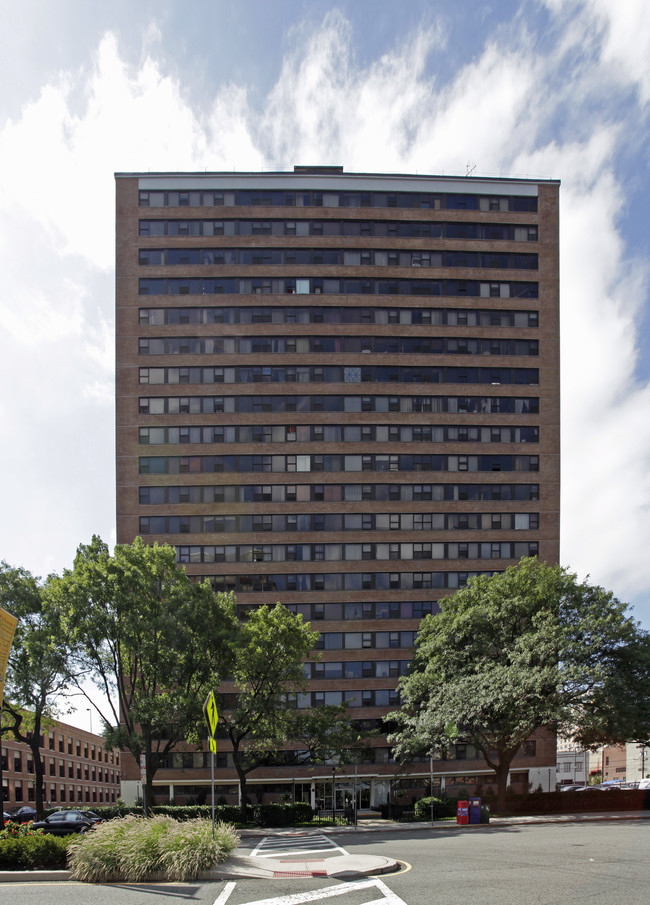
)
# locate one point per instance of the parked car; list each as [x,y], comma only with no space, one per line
[644,784]
[61,823]
[23,815]
[573,787]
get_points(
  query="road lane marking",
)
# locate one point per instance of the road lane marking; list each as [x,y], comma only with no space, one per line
[389,896]
[301,898]
[258,847]
[224,895]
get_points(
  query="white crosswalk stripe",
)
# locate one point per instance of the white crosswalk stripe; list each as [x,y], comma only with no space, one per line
[308,844]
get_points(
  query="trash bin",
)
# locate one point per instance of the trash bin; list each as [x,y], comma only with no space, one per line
[485,814]
[474,810]
[462,813]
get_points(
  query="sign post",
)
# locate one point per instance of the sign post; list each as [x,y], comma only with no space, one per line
[212,718]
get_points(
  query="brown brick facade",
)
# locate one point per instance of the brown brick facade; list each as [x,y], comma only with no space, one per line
[352,435]
[77,769]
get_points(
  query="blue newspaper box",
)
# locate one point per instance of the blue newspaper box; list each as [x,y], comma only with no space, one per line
[475,810]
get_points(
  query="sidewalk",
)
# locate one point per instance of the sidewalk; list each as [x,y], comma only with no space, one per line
[345,867]
[378,825]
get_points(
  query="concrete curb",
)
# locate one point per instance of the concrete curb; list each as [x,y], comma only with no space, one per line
[33,876]
[243,867]
[343,867]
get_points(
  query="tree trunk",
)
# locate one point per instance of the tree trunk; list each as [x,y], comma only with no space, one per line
[39,773]
[501,770]
[147,803]
[242,780]
[150,772]
[242,792]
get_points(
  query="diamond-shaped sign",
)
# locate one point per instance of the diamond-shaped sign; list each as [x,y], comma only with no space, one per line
[210,708]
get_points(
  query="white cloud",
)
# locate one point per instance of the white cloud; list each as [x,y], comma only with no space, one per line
[391,116]
[624,29]
[509,110]
[606,438]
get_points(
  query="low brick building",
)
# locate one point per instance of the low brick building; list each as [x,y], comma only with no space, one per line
[77,769]
[186,777]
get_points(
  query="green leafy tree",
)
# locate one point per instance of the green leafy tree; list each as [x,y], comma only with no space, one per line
[507,655]
[618,710]
[266,669]
[153,641]
[38,672]
[327,734]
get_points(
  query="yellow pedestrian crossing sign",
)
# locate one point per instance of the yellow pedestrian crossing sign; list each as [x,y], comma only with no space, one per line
[213,745]
[210,708]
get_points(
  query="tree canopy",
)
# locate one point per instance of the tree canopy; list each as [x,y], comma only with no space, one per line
[39,667]
[267,653]
[507,655]
[154,642]
[618,710]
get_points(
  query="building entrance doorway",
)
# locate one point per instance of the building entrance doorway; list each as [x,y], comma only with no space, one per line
[345,794]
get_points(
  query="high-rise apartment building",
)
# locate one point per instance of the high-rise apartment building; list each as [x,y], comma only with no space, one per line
[340,391]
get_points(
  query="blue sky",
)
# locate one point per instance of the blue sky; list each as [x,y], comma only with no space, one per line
[559,89]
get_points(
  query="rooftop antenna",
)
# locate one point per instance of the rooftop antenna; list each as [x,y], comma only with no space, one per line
[469,168]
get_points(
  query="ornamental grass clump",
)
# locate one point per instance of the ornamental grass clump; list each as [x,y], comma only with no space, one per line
[190,849]
[138,848]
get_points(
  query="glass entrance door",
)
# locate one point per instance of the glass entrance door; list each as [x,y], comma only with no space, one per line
[363,794]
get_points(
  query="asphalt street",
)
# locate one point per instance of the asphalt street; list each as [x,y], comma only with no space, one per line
[600,863]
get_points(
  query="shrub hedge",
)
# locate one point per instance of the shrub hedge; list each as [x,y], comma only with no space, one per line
[35,852]
[442,807]
[256,814]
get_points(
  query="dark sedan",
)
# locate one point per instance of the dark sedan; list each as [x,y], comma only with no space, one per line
[61,823]
[23,815]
